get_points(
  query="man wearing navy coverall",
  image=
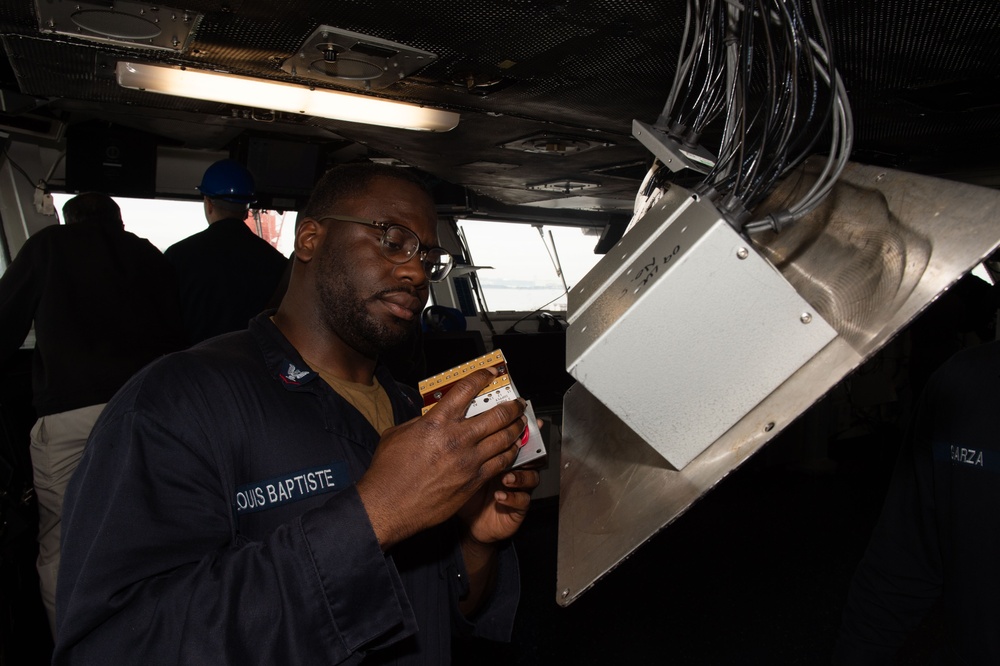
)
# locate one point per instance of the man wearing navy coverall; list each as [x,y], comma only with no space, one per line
[234,508]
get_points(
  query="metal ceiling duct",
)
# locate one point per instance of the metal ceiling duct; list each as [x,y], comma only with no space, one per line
[877,252]
[123,23]
[350,59]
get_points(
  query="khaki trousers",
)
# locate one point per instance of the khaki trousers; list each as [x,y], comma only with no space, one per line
[57,442]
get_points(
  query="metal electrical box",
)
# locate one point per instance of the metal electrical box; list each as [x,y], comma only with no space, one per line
[683,327]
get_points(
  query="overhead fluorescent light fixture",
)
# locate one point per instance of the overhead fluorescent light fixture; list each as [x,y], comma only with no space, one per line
[280,96]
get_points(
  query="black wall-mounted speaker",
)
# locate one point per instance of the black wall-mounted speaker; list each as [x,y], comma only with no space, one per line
[113,160]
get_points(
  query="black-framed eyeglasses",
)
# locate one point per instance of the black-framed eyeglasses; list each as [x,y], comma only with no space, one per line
[400,244]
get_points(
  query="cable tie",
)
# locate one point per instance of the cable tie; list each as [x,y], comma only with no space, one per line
[734,211]
[677,131]
[780,220]
[691,139]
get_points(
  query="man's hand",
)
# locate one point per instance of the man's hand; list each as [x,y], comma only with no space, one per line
[426,469]
[491,515]
[498,509]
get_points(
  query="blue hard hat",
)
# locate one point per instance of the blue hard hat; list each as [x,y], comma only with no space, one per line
[228,180]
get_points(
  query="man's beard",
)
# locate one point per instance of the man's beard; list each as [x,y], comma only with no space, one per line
[345,311]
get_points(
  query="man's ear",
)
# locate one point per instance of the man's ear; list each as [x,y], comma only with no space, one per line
[308,239]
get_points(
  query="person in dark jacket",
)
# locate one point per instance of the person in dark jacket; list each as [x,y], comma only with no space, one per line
[273,496]
[103,303]
[227,274]
[937,540]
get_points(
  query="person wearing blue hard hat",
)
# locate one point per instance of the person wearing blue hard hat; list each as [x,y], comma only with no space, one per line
[226,272]
[229,181]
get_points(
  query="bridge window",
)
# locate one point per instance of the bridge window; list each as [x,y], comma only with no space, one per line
[526,262]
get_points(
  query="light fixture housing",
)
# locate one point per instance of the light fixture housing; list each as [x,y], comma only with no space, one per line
[281,96]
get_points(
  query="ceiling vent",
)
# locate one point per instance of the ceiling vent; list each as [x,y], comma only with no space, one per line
[122,22]
[354,60]
[555,144]
[565,186]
